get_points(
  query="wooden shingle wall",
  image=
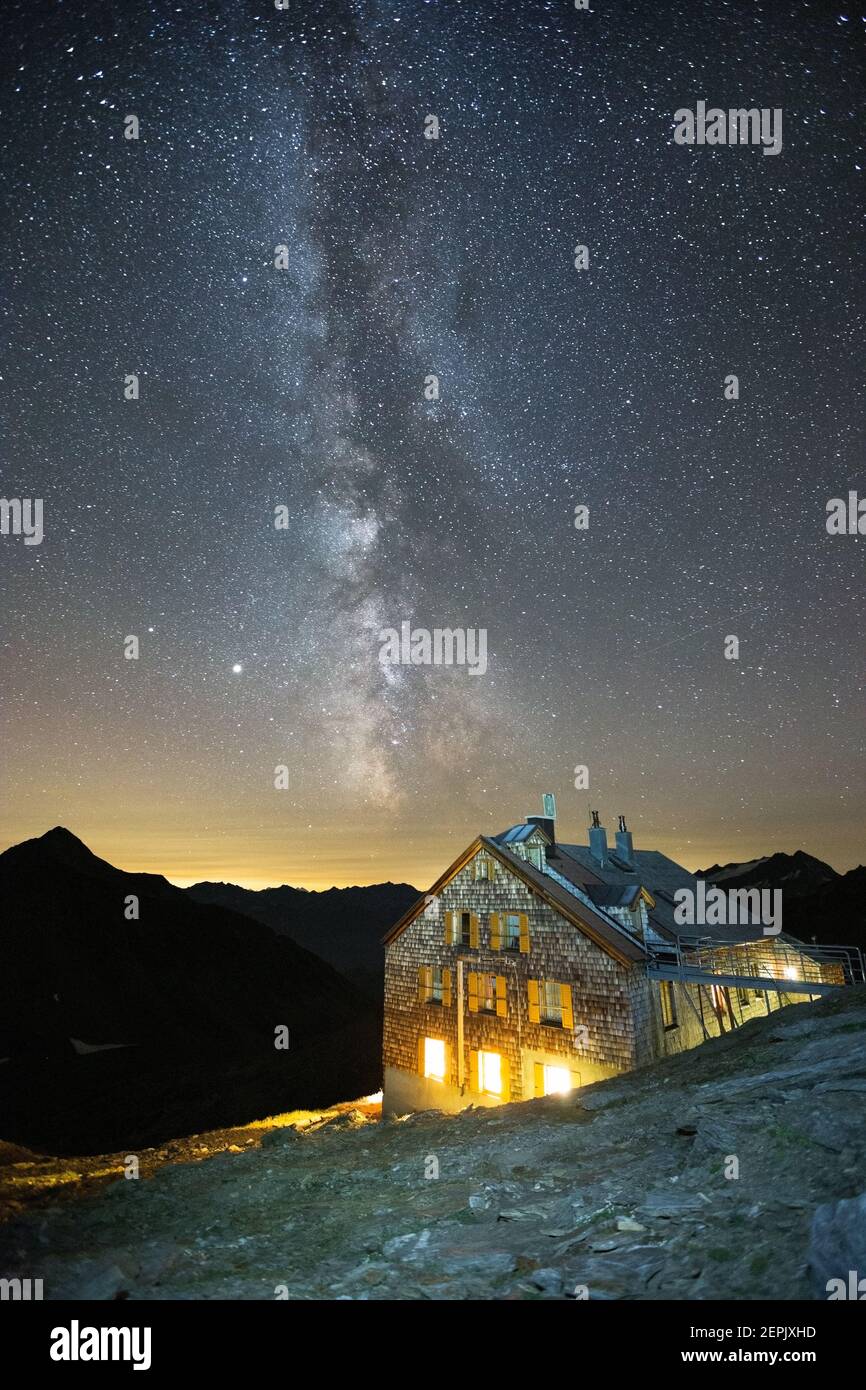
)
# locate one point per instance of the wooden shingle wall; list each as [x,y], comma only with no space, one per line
[602,990]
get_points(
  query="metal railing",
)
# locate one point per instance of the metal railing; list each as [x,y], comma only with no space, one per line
[759,960]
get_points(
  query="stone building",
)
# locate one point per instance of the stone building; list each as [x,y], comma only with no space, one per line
[534,967]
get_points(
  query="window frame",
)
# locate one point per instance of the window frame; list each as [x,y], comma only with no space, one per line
[554,1018]
[433,1076]
[482,1089]
[668,1006]
[485,998]
[505,931]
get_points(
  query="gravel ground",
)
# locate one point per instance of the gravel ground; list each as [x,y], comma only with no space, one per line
[697,1178]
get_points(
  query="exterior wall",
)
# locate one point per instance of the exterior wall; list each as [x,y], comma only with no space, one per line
[603,994]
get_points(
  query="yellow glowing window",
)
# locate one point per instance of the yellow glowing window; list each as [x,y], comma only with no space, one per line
[557,1081]
[490,1073]
[790,972]
[434,1059]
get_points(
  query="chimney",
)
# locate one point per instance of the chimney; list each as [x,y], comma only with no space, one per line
[549,828]
[624,844]
[547,821]
[597,839]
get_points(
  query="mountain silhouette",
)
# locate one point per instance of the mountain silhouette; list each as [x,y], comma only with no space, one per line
[817,902]
[794,873]
[189,995]
[344,926]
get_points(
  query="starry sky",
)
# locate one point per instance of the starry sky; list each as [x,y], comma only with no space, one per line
[304,388]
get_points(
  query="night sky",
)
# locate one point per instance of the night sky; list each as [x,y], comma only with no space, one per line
[304,388]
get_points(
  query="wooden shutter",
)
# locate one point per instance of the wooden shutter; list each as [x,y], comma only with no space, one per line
[505,1074]
[494,931]
[449,928]
[446,1066]
[524,933]
[473,930]
[538,1070]
[420,1056]
[534,1011]
[501,997]
[446,989]
[473,1071]
[473,992]
[567,1011]
[425,983]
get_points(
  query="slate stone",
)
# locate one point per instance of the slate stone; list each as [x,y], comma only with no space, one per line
[837,1247]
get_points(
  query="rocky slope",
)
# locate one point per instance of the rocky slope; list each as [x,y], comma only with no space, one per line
[619,1192]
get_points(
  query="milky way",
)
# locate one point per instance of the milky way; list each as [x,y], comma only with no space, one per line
[304,388]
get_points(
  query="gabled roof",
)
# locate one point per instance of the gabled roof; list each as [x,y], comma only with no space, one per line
[594,923]
[661,876]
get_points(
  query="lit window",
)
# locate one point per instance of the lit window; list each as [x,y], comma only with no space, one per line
[557,1081]
[434,1059]
[669,1007]
[490,1073]
[791,972]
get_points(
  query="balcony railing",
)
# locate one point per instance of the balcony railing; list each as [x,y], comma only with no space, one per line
[784,966]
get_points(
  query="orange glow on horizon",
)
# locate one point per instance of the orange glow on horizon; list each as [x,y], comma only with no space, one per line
[336,847]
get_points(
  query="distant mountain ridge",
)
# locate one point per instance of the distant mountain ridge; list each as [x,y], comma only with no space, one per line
[194,992]
[817,901]
[796,873]
[344,926]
